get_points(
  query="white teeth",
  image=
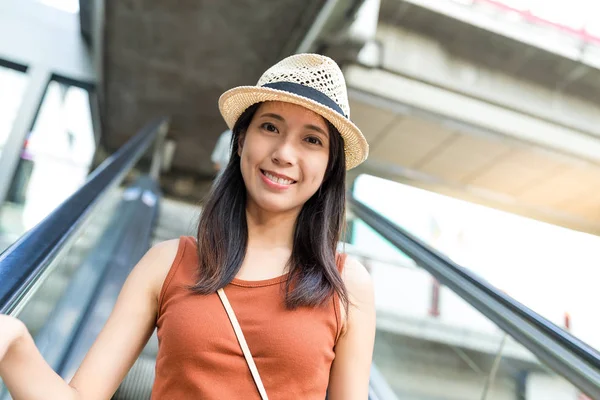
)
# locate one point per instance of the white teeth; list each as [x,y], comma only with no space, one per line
[275,179]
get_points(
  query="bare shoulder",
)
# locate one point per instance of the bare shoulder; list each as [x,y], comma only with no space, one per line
[129,326]
[349,376]
[359,286]
[357,280]
[164,251]
[156,263]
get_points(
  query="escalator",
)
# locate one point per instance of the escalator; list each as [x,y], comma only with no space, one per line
[63,276]
[509,350]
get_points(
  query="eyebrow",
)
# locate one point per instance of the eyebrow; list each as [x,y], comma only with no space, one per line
[275,116]
[308,126]
[317,129]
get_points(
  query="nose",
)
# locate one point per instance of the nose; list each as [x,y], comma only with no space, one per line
[284,153]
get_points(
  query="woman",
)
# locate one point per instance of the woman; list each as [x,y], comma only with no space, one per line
[267,235]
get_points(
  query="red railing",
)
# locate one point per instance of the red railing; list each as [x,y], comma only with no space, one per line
[529,16]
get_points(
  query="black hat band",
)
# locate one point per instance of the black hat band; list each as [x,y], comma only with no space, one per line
[308,92]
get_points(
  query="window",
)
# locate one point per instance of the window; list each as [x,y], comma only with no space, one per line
[54,162]
[58,152]
[12,88]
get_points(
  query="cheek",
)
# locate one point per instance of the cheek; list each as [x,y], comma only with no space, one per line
[245,163]
[254,148]
[247,155]
[316,168]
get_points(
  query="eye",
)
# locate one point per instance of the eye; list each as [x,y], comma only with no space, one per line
[269,127]
[314,140]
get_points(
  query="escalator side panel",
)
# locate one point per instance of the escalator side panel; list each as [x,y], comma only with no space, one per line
[132,246]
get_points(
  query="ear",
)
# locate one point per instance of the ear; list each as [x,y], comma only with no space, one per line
[241,139]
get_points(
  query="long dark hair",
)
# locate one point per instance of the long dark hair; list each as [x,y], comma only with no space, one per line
[223,230]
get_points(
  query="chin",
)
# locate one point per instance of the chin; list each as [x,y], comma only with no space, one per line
[276,205]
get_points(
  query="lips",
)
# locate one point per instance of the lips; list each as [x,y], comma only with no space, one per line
[278,178]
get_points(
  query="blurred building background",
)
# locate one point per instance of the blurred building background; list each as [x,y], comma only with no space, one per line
[484,128]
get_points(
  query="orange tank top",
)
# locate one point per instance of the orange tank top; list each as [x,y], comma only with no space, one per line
[199,356]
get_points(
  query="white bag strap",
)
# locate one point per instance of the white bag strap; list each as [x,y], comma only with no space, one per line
[243,344]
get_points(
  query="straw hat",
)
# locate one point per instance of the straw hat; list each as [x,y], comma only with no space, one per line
[310,80]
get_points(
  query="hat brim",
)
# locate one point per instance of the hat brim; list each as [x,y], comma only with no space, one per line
[235,101]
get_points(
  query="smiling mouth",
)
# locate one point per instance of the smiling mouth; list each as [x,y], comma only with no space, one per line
[276,179]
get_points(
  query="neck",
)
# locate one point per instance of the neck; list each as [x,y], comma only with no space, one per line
[270,230]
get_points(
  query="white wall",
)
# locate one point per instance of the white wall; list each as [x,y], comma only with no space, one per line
[403,301]
[426,371]
[547,387]
[35,34]
[414,351]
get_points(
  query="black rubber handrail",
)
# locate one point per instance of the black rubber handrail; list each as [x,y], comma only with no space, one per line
[573,343]
[23,263]
[541,336]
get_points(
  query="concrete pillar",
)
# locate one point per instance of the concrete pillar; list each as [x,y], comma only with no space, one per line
[38,80]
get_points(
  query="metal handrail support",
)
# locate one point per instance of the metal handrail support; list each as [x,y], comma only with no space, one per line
[24,265]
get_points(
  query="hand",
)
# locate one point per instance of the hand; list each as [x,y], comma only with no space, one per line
[11,330]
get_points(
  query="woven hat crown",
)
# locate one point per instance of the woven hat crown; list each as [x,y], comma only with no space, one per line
[313,70]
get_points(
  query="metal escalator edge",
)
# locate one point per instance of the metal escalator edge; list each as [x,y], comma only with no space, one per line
[122,243]
[23,266]
[133,243]
[565,354]
[579,347]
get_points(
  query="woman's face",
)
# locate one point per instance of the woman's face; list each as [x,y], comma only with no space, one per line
[284,156]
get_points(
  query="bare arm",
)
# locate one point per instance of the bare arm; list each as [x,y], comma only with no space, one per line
[349,378]
[113,353]
[23,364]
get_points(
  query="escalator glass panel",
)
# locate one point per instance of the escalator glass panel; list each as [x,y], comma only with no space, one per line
[430,343]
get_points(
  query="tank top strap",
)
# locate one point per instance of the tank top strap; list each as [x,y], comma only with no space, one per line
[175,278]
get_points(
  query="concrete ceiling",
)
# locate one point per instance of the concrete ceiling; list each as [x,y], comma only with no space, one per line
[490,50]
[488,169]
[176,58]
[469,161]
